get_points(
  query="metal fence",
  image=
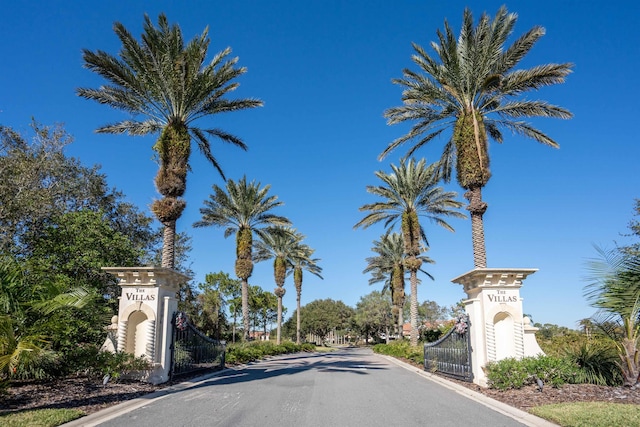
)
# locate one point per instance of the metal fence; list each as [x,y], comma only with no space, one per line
[451,354]
[191,350]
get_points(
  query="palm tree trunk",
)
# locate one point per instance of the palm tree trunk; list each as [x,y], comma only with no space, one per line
[168,244]
[245,309]
[400,321]
[299,291]
[168,210]
[414,308]
[629,365]
[279,320]
[477,208]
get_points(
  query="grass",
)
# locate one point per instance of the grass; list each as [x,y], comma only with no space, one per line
[590,414]
[39,417]
[323,349]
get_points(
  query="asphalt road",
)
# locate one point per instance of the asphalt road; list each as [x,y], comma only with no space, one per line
[349,387]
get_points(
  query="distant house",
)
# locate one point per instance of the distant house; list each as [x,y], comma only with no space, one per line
[406,329]
[259,335]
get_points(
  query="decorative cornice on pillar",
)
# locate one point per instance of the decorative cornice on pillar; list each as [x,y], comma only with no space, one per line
[493,277]
[147,276]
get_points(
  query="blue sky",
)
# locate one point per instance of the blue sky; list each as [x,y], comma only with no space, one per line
[324,70]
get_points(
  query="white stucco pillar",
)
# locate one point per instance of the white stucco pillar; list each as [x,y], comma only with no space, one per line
[147,303]
[495,312]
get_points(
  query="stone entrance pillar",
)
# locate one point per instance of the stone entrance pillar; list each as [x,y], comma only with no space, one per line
[498,329]
[147,304]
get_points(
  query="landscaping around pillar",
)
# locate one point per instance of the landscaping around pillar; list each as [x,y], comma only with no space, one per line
[147,304]
[498,327]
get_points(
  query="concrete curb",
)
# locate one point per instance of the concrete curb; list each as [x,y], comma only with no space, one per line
[515,413]
[113,411]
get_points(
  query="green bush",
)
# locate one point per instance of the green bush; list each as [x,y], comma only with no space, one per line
[45,365]
[308,347]
[90,361]
[507,374]
[430,335]
[290,347]
[598,362]
[401,349]
[516,373]
[247,352]
[242,354]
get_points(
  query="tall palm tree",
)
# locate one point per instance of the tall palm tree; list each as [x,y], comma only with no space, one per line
[407,193]
[244,209]
[303,261]
[388,267]
[614,288]
[472,87]
[281,244]
[168,85]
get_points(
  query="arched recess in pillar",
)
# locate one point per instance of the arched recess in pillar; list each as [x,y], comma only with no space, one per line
[505,341]
[139,318]
[506,330]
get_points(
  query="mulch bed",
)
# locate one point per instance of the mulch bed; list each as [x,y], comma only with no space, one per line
[85,394]
[529,396]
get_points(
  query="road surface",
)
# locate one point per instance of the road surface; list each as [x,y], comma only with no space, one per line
[348,387]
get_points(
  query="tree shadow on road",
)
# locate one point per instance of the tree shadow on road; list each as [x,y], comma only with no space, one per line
[344,361]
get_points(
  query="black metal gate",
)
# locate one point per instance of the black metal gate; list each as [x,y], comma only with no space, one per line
[451,354]
[191,350]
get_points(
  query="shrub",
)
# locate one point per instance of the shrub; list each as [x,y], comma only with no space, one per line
[90,361]
[513,373]
[255,350]
[290,347]
[402,349]
[45,365]
[308,347]
[242,354]
[430,335]
[598,362]
[507,374]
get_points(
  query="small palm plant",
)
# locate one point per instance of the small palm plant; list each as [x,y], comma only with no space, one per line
[614,288]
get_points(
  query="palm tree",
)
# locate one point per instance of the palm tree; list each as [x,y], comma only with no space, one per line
[388,267]
[170,86]
[409,192]
[472,88]
[281,244]
[614,288]
[244,209]
[303,261]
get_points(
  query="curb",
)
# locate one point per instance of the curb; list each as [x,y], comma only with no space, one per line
[515,413]
[106,414]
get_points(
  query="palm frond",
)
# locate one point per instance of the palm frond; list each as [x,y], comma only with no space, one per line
[473,74]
